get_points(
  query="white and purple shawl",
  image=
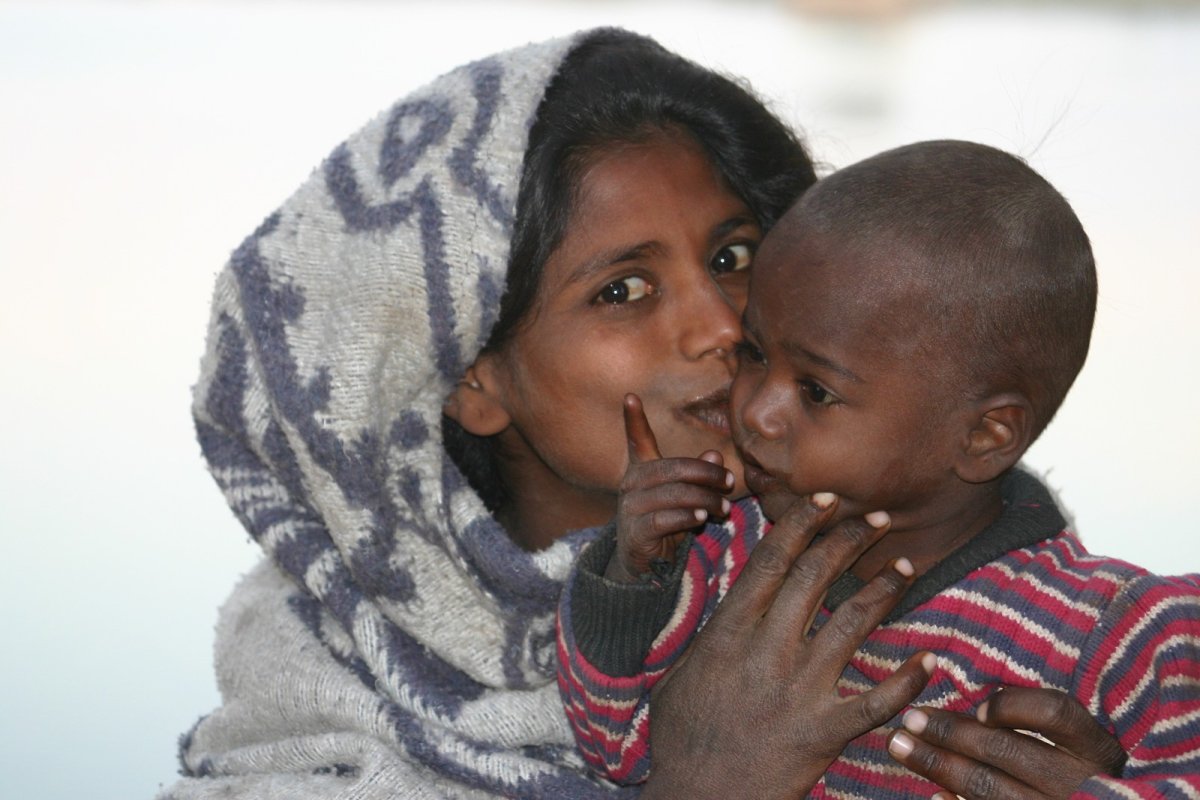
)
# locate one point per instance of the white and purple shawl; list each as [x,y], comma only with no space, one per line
[394,642]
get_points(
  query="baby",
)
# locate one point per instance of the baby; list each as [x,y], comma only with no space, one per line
[914,323]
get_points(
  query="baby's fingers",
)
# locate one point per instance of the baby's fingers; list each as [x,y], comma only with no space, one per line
[668,482]
[638,433]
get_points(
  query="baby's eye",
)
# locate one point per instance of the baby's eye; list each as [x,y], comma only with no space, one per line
[816,393]
[732,258]
[748,353]
[624,290]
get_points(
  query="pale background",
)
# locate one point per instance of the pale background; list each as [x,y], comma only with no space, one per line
[140,141]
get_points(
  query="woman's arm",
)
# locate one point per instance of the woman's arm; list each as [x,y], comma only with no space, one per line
[751,709]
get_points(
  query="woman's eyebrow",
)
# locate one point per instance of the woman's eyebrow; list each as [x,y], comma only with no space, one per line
[732,224]
[606,258]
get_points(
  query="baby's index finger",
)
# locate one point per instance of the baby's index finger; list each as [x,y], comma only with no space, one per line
[638,433]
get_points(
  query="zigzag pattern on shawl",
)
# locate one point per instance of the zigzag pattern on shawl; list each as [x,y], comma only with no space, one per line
[337,327]
[298,539]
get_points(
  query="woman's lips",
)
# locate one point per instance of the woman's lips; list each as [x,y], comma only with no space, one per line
[711,411]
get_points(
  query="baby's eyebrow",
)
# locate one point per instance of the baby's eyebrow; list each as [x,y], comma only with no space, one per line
[796,351]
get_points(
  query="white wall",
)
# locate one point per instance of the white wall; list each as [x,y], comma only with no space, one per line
[139,142]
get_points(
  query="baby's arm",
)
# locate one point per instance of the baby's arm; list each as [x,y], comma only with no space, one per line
[660,500]
[636,597]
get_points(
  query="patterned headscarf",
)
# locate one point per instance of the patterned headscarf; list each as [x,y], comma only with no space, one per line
[394,641]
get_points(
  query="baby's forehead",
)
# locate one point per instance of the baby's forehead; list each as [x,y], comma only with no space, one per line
[878,263]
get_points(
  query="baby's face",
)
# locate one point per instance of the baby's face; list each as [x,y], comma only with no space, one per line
[836,390]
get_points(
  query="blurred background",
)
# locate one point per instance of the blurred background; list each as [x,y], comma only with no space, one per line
[140,141]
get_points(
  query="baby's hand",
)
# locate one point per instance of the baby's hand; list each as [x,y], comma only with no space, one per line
[990,756]
[661,499]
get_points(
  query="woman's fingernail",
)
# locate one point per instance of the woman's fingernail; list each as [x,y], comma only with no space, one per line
[929,663]
[904,567]
[823,499]
[900,745]
[981,712]
[915,720]
[725,506]
[729,479]
[877,519]
[701,515]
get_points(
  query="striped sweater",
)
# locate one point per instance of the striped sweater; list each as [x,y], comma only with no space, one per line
[1024,604]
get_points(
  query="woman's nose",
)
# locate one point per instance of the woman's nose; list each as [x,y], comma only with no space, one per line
[711,324]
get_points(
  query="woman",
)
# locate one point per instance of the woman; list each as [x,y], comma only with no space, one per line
[398,638]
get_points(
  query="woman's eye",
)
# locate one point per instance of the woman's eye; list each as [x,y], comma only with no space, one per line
[816,393]
[732,258]
[624,290]
[748,353]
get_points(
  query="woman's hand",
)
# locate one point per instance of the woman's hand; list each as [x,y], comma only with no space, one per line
[988,757]
[661,499]
[751,709]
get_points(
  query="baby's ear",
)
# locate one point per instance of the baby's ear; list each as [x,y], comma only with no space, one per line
[1002,431]
[477,401]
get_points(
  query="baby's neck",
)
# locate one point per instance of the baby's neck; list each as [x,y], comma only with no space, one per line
[927,537]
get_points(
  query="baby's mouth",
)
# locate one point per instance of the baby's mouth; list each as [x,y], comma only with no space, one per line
[712,411]
[758,480]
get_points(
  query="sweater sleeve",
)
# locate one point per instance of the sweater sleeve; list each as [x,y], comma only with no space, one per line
[607,633]
[615,642]
[1140,677]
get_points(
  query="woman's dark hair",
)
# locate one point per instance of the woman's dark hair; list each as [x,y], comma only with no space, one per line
[617,87]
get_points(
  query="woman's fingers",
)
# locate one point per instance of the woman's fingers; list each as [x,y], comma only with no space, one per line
[963,776]
[884,701]
[812,573]
[966,755]
[854,619]
[753,593]
[1058,717]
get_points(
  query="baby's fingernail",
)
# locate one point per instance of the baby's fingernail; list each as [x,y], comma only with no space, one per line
[823,499]
[900,745]
[725,506]
[981,712]
[929,663]
[877,519]
[701,515]
[915,720]
[904,567]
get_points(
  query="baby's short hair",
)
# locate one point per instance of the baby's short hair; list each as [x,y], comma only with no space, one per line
[1006,270]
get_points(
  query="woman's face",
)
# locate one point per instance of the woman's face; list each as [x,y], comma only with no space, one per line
[643,295]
